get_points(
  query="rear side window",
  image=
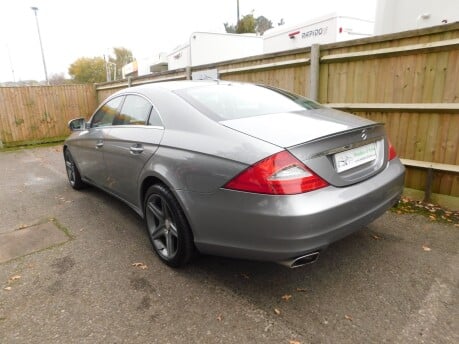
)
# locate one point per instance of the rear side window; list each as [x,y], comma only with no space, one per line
[135,111]
[105,115]
[232,101]
[154,119]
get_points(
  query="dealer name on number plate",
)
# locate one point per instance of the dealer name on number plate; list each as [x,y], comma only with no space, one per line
[354,157]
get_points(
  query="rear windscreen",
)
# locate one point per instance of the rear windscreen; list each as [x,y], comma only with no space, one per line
[231,101]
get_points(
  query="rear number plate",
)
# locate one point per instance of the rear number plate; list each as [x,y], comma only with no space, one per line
[354,157]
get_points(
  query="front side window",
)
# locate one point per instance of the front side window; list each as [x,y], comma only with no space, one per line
[105,115]
[135,111]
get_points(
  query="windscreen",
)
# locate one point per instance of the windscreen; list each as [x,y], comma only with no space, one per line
[232,101]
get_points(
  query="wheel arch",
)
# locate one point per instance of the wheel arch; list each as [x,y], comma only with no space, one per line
[155,179]
[152,179]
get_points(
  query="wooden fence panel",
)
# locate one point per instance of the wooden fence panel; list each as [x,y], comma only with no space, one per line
[406,80]
[430,137]
[40,113]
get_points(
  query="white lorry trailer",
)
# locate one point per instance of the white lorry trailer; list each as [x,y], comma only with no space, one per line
[327,29]
[208,47]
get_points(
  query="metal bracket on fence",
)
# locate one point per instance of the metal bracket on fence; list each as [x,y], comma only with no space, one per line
[430,167]
[428,187]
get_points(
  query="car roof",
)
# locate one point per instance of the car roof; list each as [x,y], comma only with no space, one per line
[175,85]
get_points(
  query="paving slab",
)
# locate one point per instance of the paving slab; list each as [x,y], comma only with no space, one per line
[23,241]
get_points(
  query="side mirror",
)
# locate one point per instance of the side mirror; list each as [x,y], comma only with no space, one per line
[77,124]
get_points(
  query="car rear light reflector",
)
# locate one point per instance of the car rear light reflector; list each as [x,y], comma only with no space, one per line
[392,152]
[278,174]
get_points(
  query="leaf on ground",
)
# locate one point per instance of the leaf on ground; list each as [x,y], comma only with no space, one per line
[301,290]
[426,248]
[348,317]
[294,342]
[434,212]
[140,265]
[219,317]
[286,297]
[7,288]
[14,278]
[277,311]
[374,236]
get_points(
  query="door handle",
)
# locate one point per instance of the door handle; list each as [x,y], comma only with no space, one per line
[99,144]
[136,149]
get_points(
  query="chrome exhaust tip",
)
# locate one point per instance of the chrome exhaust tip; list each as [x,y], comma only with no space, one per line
[302,260]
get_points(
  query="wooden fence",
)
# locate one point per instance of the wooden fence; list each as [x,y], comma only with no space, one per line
[40,113]
[409,81]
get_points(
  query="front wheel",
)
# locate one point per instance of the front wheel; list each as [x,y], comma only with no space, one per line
[72,172]
[167,227]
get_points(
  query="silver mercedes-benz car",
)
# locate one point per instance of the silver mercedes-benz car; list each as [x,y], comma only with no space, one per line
[234,169]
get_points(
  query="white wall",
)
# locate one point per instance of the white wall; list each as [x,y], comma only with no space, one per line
[401,15]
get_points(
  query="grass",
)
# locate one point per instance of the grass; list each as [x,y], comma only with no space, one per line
[32,144]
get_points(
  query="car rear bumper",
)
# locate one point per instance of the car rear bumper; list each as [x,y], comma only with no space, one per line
[278,228]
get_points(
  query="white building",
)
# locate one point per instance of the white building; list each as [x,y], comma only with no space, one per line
[401,15]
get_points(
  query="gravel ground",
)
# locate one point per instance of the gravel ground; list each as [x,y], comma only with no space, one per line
[395,281]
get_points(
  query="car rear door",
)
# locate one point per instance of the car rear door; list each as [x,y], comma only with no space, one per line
[129,144]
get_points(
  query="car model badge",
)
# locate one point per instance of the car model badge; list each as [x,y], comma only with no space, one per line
[364,134]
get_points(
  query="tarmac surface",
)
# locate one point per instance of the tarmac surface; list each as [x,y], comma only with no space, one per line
[77,267]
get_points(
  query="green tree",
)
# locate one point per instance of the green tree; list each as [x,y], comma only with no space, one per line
[263,24]
[88,70]
[250,24]
[122,57]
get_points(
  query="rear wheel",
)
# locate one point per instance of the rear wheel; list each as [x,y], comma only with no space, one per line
[72,172]
[167,227]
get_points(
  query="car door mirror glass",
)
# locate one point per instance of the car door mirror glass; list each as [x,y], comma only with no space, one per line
[77,124]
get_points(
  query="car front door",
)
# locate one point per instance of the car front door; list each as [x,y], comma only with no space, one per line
[89,147]
[129,144]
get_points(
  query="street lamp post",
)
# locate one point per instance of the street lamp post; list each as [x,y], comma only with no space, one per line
[237,22]
[35,9]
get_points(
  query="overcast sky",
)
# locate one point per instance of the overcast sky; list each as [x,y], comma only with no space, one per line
[75,28]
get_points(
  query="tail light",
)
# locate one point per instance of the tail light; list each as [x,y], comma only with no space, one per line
[278,174]
[392,152]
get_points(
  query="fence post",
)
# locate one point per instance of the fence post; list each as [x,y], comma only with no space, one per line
[314,72]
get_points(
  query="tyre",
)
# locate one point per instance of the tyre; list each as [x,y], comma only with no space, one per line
[167,227]
[72,172]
